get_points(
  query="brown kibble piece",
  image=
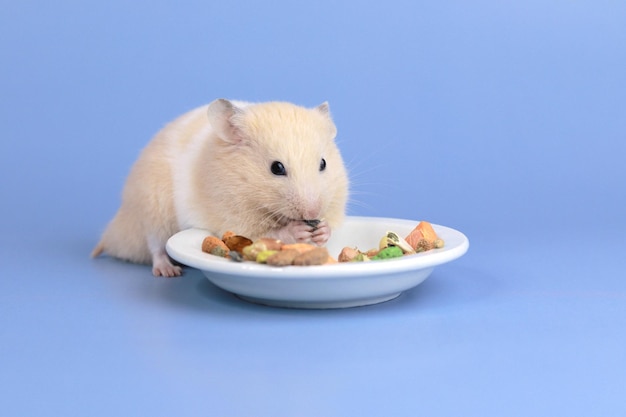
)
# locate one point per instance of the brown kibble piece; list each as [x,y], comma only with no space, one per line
[300,247]
[237,243]
[316,256]
[283,258]
[348,254]
[271,244]
[214,246]
[423,245]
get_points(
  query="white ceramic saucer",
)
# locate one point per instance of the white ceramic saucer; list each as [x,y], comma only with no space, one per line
[326,286]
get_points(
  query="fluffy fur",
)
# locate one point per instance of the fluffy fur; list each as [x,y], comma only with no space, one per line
[211,169]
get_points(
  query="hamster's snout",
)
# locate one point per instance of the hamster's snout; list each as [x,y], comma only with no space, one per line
[312,209]
[311,214]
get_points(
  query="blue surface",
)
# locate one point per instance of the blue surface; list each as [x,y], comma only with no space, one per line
[505,121]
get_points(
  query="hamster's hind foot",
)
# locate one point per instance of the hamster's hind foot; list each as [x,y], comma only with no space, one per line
[162,266]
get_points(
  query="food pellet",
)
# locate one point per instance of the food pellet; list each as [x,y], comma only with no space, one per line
[388,253]
[316,256]
[283,257]
[263,255]
[273,252]
[237,243]
[214,246]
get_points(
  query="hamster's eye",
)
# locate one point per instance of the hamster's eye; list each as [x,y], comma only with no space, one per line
[323,164]
[278,168]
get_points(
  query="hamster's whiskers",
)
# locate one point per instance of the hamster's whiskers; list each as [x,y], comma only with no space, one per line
[274,216]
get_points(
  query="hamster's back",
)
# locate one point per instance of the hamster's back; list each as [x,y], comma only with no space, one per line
[147,214]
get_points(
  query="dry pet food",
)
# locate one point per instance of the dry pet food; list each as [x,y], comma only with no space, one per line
[275,253]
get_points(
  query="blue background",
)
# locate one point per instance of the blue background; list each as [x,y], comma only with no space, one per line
[504,120]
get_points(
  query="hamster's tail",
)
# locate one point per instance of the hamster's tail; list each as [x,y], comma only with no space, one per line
[97,250]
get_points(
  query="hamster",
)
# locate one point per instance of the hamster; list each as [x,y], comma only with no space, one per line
[259,170]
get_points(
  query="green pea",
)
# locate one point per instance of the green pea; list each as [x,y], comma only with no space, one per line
[388,253]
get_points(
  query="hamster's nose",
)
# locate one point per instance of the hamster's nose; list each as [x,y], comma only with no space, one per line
[312,210]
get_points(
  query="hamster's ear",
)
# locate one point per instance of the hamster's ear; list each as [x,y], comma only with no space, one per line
[324,108]
[222,116]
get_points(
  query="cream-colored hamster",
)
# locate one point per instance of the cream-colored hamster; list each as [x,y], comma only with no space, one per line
[255,169]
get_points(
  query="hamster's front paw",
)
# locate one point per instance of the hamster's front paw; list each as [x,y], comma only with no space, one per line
[299,231]
[296,231]
[321,233]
